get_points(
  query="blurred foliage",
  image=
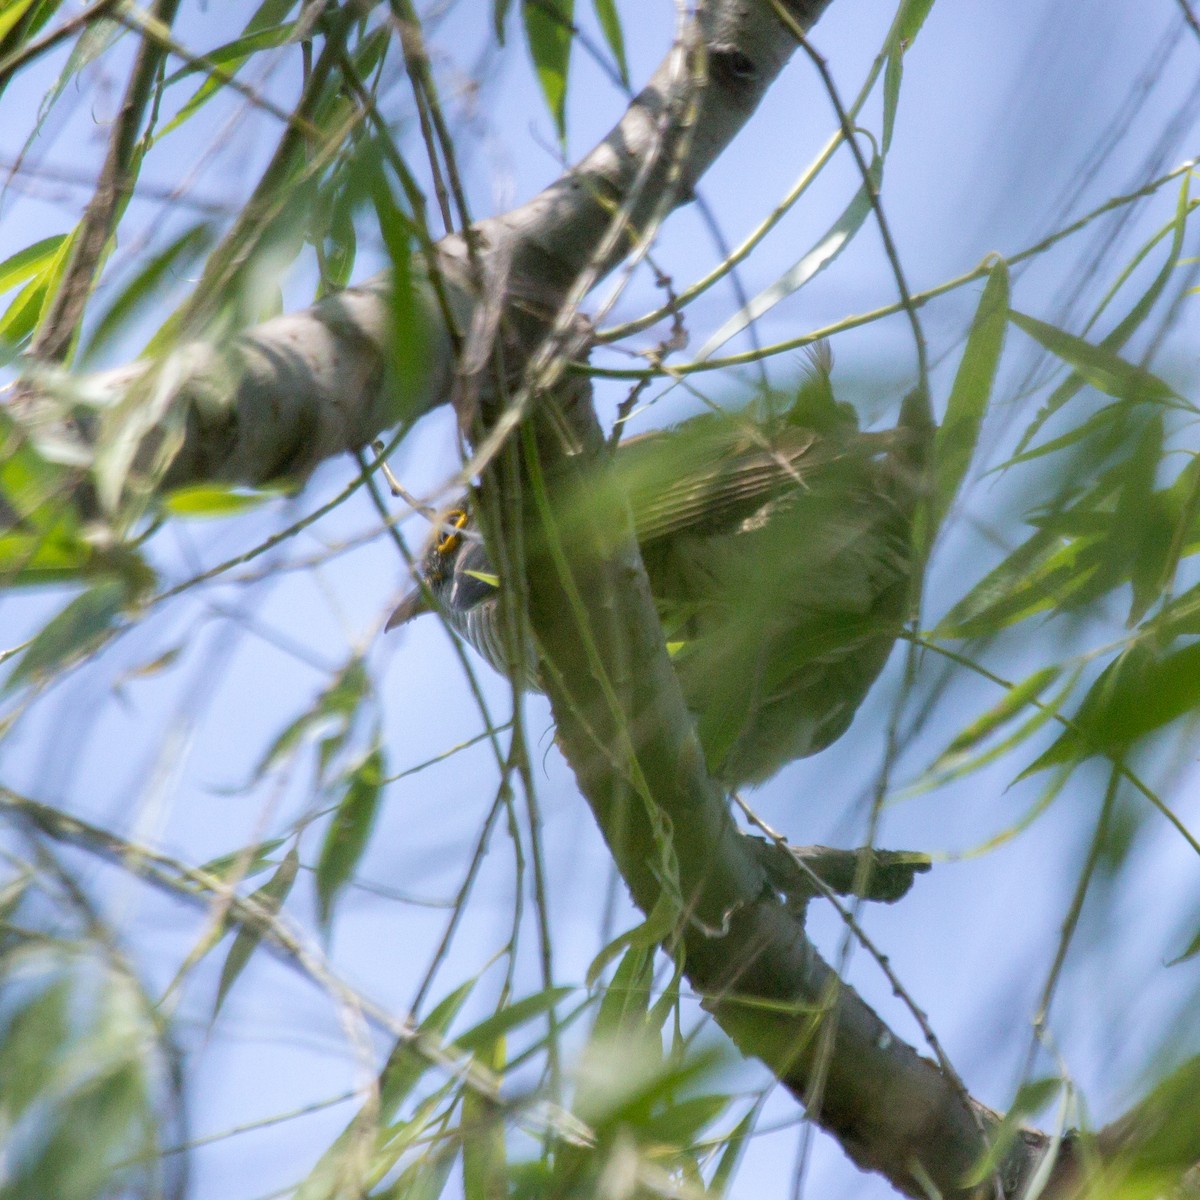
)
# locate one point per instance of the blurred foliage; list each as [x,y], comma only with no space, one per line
[1084,623]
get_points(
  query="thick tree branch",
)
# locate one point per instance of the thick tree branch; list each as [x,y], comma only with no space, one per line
[291,392]
[303,387]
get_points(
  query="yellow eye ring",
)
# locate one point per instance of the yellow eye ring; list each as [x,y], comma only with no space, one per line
[457,519]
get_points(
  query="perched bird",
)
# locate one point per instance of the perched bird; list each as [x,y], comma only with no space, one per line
[778,545]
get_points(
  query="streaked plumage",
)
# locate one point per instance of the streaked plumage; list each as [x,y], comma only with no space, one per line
[777,545]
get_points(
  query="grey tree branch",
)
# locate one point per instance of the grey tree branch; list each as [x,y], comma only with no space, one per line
[296,390]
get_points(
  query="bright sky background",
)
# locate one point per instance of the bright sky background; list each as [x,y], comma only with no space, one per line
[1013,116]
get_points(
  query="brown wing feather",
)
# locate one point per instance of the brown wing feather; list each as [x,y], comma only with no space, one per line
[722,484]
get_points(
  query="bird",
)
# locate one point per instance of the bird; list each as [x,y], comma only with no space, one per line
[778,543]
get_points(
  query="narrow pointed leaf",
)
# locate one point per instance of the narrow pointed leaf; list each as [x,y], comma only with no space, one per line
[1105,370]
[610,24]
[907,25]
[271,897]
[549,31]
[72,633]
[1139,692]
[349,832]
[835,240]
[480,1037]
[954,445]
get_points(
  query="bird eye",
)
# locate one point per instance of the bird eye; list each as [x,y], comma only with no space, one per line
[456,519]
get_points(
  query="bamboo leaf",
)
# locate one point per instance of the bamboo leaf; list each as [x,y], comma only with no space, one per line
[479,1038]
[28,262]
[1132,319]
[11,13]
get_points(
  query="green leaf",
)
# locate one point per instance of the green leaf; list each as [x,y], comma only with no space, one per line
[1139,692]
[610,24]
[1035,577]
[348,832]
[655,929]
[1132,319]
[230,59]
[145,287]
[626,1000]
[270,897]
[11,13]
[480,1038]
[484,1156]
[233,54]
[207,500]
[954,445]
[405,1066]
[330,720]
[408,344]
[549,30]
[71,634]
[33,1038]
[1030,1099]
[831,244]
[735,1143]
[28,307]
[28,262]
[1106,371]
[500,17]
[245,862]
[1010,705]
[905,28]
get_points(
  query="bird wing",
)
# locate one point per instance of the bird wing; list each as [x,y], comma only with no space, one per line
[709,480]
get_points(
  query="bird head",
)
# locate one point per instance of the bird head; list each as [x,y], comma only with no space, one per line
[452,534]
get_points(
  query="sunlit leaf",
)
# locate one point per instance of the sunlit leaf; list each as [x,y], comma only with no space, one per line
[1013,702]
[28,306]
[549,31]
[214,500]
[28,262]
[11,13]
[610,24]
